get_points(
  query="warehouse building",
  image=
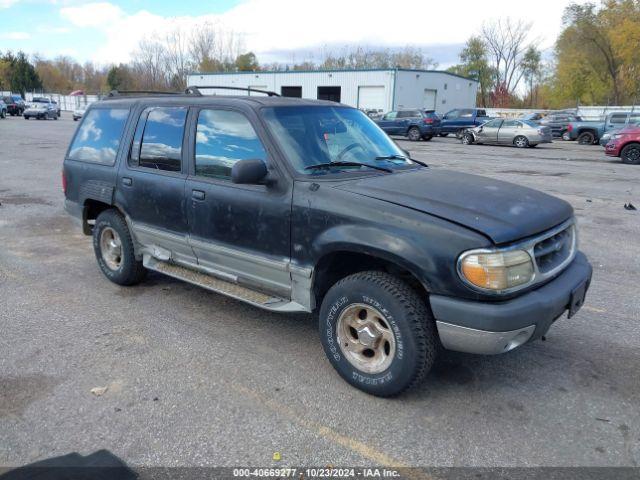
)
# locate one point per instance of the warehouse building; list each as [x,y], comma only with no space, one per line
[384,89]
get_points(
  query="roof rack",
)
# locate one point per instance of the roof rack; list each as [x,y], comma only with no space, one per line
[195,90]
[118,93]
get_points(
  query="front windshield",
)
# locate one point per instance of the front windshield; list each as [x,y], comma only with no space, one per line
[313,135]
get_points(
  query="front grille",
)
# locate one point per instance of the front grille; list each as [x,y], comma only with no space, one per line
[553,251]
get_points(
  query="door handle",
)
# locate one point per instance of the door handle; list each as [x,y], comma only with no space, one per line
[197,194]
[127,182]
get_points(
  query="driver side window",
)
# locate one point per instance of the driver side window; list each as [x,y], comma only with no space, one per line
[391,116]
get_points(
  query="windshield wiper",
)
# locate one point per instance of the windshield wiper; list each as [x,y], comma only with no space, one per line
[347,164]
[403,157]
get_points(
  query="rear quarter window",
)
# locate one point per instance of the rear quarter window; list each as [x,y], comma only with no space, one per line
[99,135]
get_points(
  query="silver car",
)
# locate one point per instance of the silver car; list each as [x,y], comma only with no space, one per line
[519,133]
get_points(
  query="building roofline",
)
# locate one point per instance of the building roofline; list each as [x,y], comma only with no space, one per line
[336,70]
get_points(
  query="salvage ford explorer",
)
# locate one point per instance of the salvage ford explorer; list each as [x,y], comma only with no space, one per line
[297,205]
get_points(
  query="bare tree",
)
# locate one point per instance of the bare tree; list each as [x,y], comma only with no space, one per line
[176,57]
[506,42]
[149,64]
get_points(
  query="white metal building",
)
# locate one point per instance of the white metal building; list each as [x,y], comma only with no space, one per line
[384,90]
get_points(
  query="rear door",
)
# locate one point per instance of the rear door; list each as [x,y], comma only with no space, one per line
[151,184]
[241,232]
[508,131]
[405,119]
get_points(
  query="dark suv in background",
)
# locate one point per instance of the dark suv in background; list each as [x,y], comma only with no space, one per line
[295,205]
[412,123]
[559,122]
[15,104]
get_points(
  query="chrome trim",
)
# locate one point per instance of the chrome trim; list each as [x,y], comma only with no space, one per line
[527,246]
[469,340]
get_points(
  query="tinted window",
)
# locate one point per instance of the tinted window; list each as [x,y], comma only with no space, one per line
[481,113]
[511,123]
[409,114]
[619,118]
[98,137]
[466,113]
[634,118]
[161,146]
[453,114]
[391,116]
[222,138]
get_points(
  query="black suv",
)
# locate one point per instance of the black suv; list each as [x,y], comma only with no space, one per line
[15,104]
[559,123]
[299,205]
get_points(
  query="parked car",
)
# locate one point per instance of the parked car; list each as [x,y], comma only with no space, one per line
[606,137]
[519,133]
[40,110]
[626,145]
[15,104]
[79,112]
[559,122]
[57,107]
[296,205]
[589,132]
[533,117]
[414,124]
[457,121]
[3,109]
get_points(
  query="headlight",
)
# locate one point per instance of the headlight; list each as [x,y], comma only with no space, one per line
[617,135]
[497,271]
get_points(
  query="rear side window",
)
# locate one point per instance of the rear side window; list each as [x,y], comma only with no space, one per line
[481,113]
[160,139]
[99,135]
[619,118]
[222,138]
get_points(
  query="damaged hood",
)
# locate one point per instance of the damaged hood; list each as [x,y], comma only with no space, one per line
[502,211]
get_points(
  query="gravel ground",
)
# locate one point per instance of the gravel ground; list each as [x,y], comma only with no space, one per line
[195,378]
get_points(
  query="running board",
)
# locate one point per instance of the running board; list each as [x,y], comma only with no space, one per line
[225,287]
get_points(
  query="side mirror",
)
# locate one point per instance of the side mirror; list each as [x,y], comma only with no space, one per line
[249,171]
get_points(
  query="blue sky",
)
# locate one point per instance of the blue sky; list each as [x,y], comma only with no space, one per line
[107,31]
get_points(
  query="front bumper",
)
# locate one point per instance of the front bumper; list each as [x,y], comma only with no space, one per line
[612,149]
[497,327]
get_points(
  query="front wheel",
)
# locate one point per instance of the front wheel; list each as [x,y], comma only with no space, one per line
[521,142]
[413,134]
[631,154]
[467,139]
[586,138]
[113,246]
[377,333]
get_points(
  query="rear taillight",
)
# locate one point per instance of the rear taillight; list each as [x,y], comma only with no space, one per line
[570,128]
[64,183]
[428,120]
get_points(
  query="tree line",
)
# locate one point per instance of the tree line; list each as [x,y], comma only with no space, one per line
[595,60]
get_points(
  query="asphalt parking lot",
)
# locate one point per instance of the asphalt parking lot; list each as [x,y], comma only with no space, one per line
[195,378]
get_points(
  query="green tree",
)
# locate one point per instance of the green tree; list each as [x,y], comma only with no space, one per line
[120,78]
[474,63]
[247,62]
[22,75]
[531,70]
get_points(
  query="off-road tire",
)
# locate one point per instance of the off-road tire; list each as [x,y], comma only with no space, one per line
[630,154]
[586,138]
[413,134]
[131,271]
[408,317]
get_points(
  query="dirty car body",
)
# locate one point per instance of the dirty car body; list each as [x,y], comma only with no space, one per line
[519,133]
[301,205]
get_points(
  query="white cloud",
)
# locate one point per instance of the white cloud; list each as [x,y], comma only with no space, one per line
[285,25]
[8,3]
[15,36]
[100,14]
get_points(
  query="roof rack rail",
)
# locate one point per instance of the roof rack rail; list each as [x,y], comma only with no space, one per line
[195,90]
[117,93]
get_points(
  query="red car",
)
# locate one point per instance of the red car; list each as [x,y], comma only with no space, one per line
[626,145]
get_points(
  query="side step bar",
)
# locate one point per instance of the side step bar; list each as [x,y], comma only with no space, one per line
[224,287]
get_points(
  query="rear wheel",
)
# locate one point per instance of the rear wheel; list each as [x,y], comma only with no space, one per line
[631,154]
[377,333]
[467,139]
[414,134]
[586,138]
[521,141]
[113,246]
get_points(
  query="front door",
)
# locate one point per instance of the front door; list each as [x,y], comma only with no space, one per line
[388,123]
[152,181]
[239,232]
[489,131]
